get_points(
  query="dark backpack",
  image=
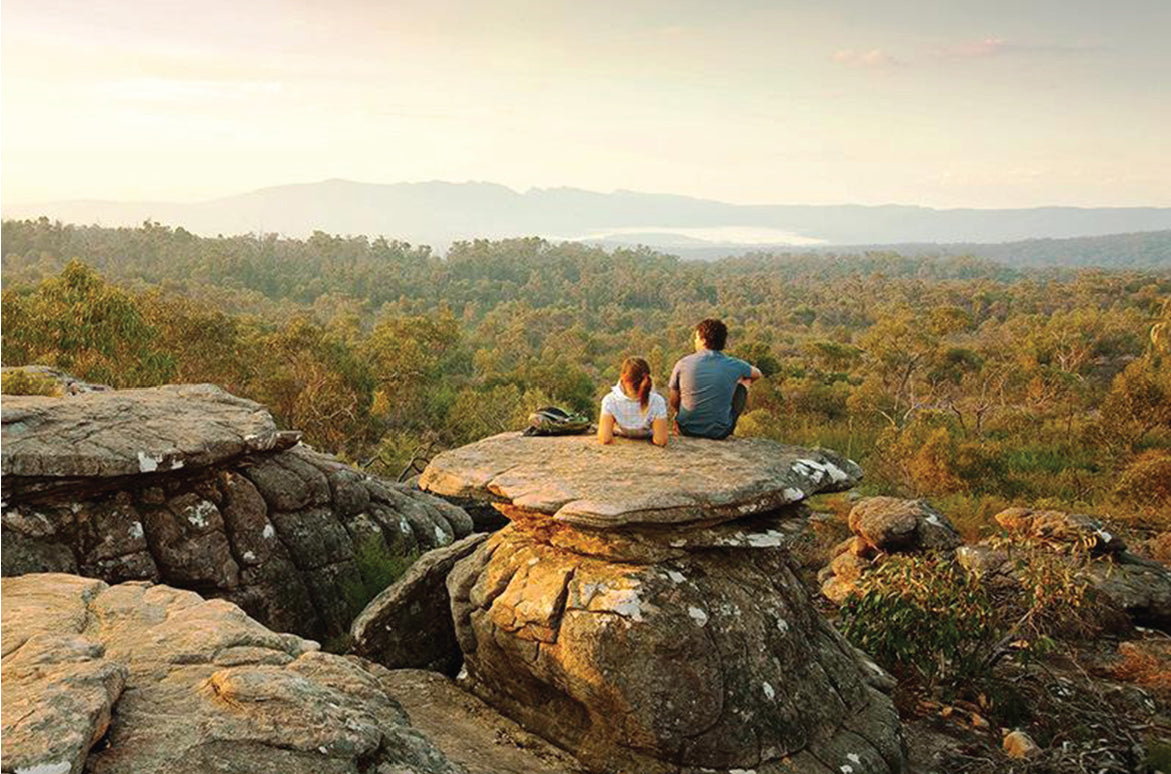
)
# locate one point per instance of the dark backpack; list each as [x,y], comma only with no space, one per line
[551,420]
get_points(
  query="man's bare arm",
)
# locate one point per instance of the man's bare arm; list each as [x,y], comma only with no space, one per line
[674,399]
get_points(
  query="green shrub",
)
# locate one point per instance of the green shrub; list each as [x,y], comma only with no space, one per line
[28,383]
[922,618]
[378,568]
[1147,480]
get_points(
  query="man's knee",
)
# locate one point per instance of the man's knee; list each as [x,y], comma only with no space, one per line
[739,399]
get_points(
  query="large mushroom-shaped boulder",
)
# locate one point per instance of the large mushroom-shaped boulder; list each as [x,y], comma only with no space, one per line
[641,609]
[691,482]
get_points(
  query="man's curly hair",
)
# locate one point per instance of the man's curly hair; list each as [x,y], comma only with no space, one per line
[713,332]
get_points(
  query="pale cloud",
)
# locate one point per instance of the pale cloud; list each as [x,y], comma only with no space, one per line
[874,59]
[977,49]
[989,47]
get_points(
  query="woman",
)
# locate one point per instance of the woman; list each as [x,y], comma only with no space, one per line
[631,410]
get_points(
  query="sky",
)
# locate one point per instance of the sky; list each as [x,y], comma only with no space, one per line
[942,103]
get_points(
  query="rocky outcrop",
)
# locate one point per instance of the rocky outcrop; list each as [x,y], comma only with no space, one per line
[1139,587]
[191,486]
[407,626]
[882,526]
[140,679]
[886,525]
[641,610]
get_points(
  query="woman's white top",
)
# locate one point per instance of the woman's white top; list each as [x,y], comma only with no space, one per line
[628,413]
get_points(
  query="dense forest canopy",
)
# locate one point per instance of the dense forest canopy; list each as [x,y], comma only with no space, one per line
[953,377]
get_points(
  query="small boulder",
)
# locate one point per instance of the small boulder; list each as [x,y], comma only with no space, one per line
[1018,744]
[409,625]
[891,524]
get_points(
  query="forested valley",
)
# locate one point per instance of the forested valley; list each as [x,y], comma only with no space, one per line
[959,379]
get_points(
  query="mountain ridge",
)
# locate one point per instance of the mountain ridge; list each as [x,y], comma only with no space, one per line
[440,212]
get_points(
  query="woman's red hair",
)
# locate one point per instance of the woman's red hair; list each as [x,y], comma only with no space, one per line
[636,377]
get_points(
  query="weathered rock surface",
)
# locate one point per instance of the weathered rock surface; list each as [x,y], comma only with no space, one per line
[884,525]
[713,661]
[408,625]
[582,483]
[656,625]
[174,684]
[126,432]
[193,487]
[468,732]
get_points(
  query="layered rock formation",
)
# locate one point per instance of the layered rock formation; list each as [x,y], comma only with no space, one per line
[139,679]
[191,486]
[641,611]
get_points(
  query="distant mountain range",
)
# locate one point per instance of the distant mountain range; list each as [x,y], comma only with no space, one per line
[438,213]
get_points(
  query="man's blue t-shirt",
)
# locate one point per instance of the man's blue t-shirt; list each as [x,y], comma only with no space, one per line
[706,382]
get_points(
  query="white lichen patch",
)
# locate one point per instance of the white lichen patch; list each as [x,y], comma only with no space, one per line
[836,474]
[403,526]
[619,596]
[792,494]
[135,531]
[249,556]
[768,539]
[783,625]
[933,520]
[269,532]
[148,463]
[846,768]
[768,691]
[441,537]
[675,576]
[698,615]
[854,758]
[626,603]
[56,767]
[198,514]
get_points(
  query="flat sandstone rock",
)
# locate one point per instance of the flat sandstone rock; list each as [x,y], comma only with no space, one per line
[580,482]
[128,432]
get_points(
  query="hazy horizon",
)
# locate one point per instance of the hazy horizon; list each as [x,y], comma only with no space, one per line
[971,105]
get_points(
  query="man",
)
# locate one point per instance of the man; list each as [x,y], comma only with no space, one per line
[708,389]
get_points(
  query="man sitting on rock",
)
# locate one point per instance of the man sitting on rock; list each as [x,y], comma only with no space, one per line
[708,389]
